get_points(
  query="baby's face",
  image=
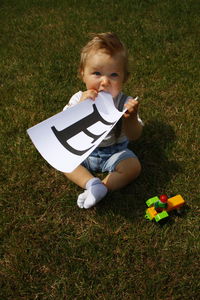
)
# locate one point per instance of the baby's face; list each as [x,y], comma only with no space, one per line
[104,72]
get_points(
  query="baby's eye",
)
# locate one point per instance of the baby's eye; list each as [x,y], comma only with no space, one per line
[114,75]
[96,73]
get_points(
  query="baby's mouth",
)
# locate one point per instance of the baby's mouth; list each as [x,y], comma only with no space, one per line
[105,92]
[102,90]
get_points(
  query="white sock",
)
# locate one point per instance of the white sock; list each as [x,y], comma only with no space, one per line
[96,191]
[81,199]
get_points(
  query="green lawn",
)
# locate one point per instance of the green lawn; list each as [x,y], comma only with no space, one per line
[51,249]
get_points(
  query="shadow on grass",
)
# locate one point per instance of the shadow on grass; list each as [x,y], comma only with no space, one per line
[158,170]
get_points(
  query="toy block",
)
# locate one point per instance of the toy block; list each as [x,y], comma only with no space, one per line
[161,216]
[175,202]
[151,201]
[150,213]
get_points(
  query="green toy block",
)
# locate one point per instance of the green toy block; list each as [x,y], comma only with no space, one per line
[161,216]
[160,204]
[148,216]
[151,201]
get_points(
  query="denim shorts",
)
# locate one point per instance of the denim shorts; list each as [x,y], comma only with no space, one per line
[105,159]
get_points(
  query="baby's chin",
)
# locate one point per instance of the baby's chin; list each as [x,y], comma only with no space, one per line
[114,95]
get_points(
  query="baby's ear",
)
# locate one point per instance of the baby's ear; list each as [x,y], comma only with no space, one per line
[81,73]
[126,77]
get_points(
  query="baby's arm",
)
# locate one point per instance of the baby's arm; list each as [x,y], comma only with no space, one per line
[132,125]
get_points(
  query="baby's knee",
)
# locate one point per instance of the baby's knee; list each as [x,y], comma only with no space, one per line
[135,168]
[131,167]
[138,166]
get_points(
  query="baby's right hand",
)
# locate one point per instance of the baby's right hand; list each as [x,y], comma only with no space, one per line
[91,94]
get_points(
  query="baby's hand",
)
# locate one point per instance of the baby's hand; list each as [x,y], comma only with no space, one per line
[89,94]
[132,109]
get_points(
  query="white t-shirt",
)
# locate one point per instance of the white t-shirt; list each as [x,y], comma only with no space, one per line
[110,139]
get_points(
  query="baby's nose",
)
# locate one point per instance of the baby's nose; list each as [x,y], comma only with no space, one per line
[105,81]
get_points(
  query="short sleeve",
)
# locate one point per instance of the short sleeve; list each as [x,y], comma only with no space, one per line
[73,100]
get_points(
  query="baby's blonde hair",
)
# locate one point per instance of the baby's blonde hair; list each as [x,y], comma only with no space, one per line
[108,42]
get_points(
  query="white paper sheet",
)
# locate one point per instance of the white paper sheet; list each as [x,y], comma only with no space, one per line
[66,139]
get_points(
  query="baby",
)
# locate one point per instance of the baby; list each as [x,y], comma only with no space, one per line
[104,67]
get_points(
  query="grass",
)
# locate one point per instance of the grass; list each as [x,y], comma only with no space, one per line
[50,249]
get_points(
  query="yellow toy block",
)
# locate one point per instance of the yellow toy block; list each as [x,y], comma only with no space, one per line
[175,202]
[152,212]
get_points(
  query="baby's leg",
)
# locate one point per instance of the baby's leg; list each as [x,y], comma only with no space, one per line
[79,176]
[95,189]
[125,172]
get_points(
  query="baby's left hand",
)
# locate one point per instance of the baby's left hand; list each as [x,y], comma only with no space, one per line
[132,109]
